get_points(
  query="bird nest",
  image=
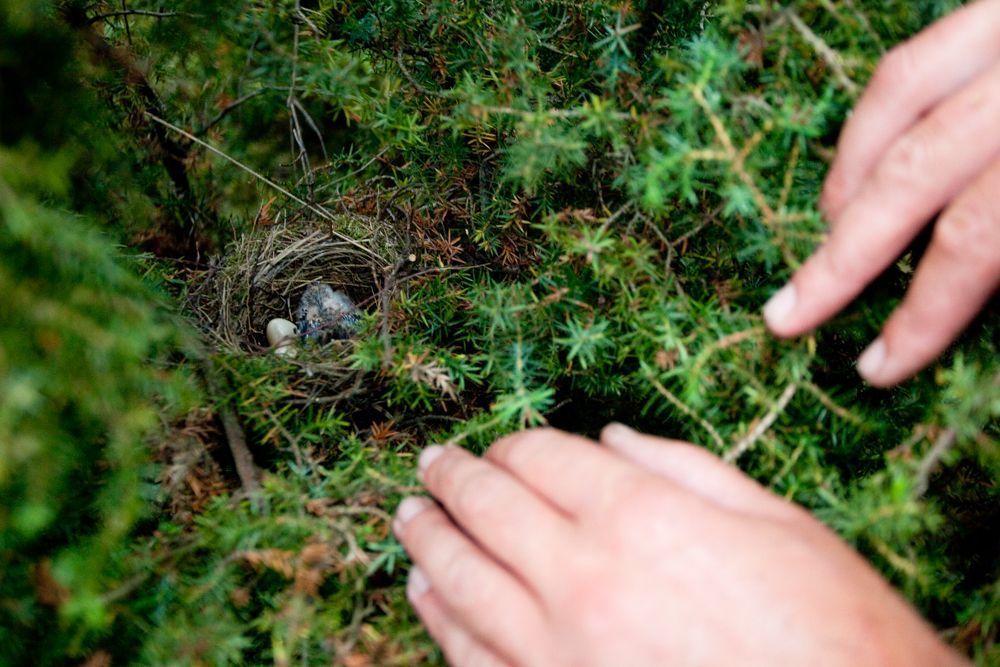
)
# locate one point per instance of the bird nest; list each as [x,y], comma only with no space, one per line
[264,274]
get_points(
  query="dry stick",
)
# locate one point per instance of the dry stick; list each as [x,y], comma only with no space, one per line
[228,109]
[899,562]
[136,12]
[737,159]
[245,467]
[832,405]
[683,407]
[321,212]
[734,156]
[385,299]
[747,441]
[726,341]
[831,57]
[929,464]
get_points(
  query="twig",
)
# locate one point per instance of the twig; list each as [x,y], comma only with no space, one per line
[747,441]
[128,27]
[173,155]
[550,113]
[945,441]
[726,341]
[321,212]
[831,57]
[736,158]
[905,566]
[832,406]
[385,299]
[683,407]
[229,108]
[135,12]
[237,440]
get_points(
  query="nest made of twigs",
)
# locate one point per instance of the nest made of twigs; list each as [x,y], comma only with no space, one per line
[263,275]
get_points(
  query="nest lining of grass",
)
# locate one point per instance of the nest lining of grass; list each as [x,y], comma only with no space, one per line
[263,275]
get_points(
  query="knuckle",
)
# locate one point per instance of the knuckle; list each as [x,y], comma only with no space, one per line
[520,445]
[898,69]
[463,584]
[441,471]
[632,492]
[476,656]
[423,535]
[477,495]
[836,190]
[906,162]
[907,331]
[838,261]
[971,232]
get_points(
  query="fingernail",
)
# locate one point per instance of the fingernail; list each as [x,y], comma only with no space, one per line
[417,584]
[780,306]
[872,359]
[427,457]
[409,508]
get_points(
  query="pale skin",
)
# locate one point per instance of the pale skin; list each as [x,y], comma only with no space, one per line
[922,140]
[554,550]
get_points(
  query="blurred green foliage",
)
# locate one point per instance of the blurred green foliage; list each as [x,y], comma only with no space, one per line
[597,198]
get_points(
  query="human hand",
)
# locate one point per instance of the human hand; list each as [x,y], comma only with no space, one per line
[553,551]
[925,137]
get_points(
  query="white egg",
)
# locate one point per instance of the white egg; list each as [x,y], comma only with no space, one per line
[281,336]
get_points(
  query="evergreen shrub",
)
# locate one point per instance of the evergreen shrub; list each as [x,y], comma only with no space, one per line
[589,203]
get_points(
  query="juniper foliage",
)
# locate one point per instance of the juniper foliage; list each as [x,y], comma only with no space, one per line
[596,197]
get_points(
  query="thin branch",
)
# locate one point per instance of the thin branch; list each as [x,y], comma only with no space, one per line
[747,441]
[228,109]
[829,56]
[945,441]
[135,12]
[683,407]
[318,210]
[833,407]
[237,440]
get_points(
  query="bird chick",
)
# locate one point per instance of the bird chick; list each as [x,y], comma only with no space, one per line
[326,314]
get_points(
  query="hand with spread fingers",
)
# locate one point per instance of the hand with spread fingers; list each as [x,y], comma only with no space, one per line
[553,550]
[924,139]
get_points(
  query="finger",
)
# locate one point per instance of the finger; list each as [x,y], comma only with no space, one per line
[515,526]
[919,175]
[459,646]
[956,277]
[569,471]
[485,599]
[911,79]
[699,471]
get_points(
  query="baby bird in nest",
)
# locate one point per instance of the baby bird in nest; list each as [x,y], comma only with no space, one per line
[326,314]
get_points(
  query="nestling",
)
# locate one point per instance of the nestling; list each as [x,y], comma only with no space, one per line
[326,314]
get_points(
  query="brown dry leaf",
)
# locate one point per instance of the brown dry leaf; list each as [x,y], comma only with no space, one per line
[48,591]
[752,43]
[430,374]
[383,432]
[240,597]
[317,506]
[99,659]
[666,360]
[315,561]
[279,560]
